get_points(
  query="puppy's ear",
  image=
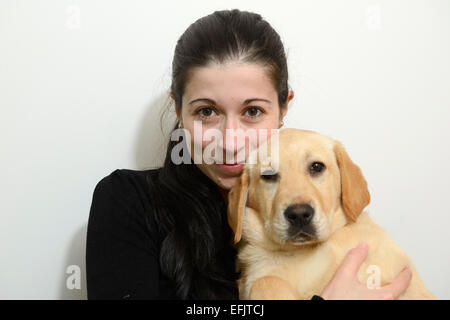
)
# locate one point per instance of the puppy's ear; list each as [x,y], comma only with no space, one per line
[355,195]
[237,199]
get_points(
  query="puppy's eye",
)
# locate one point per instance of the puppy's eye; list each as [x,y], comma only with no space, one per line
[269,176]
[316,168]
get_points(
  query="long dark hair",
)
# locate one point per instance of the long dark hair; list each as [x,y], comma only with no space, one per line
[196,252]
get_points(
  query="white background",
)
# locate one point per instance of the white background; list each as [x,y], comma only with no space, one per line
[82,84]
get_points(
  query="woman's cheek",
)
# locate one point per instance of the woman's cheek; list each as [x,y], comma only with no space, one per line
[199,143]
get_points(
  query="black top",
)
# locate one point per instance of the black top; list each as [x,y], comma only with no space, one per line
[122,251]
[123,244]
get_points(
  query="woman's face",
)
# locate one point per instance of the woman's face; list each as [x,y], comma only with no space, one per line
[215,98]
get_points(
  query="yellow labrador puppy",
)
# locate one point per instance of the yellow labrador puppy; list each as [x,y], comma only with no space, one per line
[295,220]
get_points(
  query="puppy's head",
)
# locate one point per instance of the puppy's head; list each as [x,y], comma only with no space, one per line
[300,194]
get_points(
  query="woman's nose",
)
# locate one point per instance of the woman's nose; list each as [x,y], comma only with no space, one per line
[231,123]
[232,137]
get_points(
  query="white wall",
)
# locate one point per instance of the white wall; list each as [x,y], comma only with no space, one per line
[81,100]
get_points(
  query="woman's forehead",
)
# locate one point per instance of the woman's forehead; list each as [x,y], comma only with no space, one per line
[233,83]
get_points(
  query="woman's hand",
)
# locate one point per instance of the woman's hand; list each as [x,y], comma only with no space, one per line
[346,286]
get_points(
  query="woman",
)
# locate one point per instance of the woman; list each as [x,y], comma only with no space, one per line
[163,233]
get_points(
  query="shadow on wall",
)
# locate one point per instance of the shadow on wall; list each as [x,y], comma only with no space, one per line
[151,141]
[76,257]
[150,146]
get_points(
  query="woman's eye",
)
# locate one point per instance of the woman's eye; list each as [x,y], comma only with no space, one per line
[205,112]
[209,112]
[253,112]
[316,168]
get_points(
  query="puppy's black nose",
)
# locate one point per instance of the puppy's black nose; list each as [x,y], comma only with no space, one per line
[299,215]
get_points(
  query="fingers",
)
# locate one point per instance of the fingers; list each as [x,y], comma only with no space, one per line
[353,260]
[398,285]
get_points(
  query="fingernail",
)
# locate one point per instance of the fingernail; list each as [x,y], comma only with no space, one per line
[362,245]
[408,270]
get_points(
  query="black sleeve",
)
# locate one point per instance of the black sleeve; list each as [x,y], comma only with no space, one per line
[121,254]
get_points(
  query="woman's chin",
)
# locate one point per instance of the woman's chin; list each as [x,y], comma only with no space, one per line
[226,182]
[221,178]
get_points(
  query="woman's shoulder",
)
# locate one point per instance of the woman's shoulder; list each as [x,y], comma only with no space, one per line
[126,184]
[123,241]
[122,197]
[125,177]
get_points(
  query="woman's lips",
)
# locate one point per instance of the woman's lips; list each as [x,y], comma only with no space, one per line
[237,167]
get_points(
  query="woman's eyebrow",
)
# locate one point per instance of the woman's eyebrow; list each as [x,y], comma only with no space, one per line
[203,99]
[213,102]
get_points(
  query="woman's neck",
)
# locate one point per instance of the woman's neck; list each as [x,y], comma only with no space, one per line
[224,194]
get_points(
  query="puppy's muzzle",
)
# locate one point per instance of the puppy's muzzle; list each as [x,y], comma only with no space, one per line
[299,218]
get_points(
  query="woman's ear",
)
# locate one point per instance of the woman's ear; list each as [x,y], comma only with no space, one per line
[355,194]
[237,200]
[284,107]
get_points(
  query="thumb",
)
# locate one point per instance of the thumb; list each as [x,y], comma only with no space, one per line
[398,285]
[353,260]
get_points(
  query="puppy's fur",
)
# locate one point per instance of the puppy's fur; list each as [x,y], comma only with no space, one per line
[279,263]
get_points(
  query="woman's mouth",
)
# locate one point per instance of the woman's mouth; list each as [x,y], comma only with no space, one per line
[232,168]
